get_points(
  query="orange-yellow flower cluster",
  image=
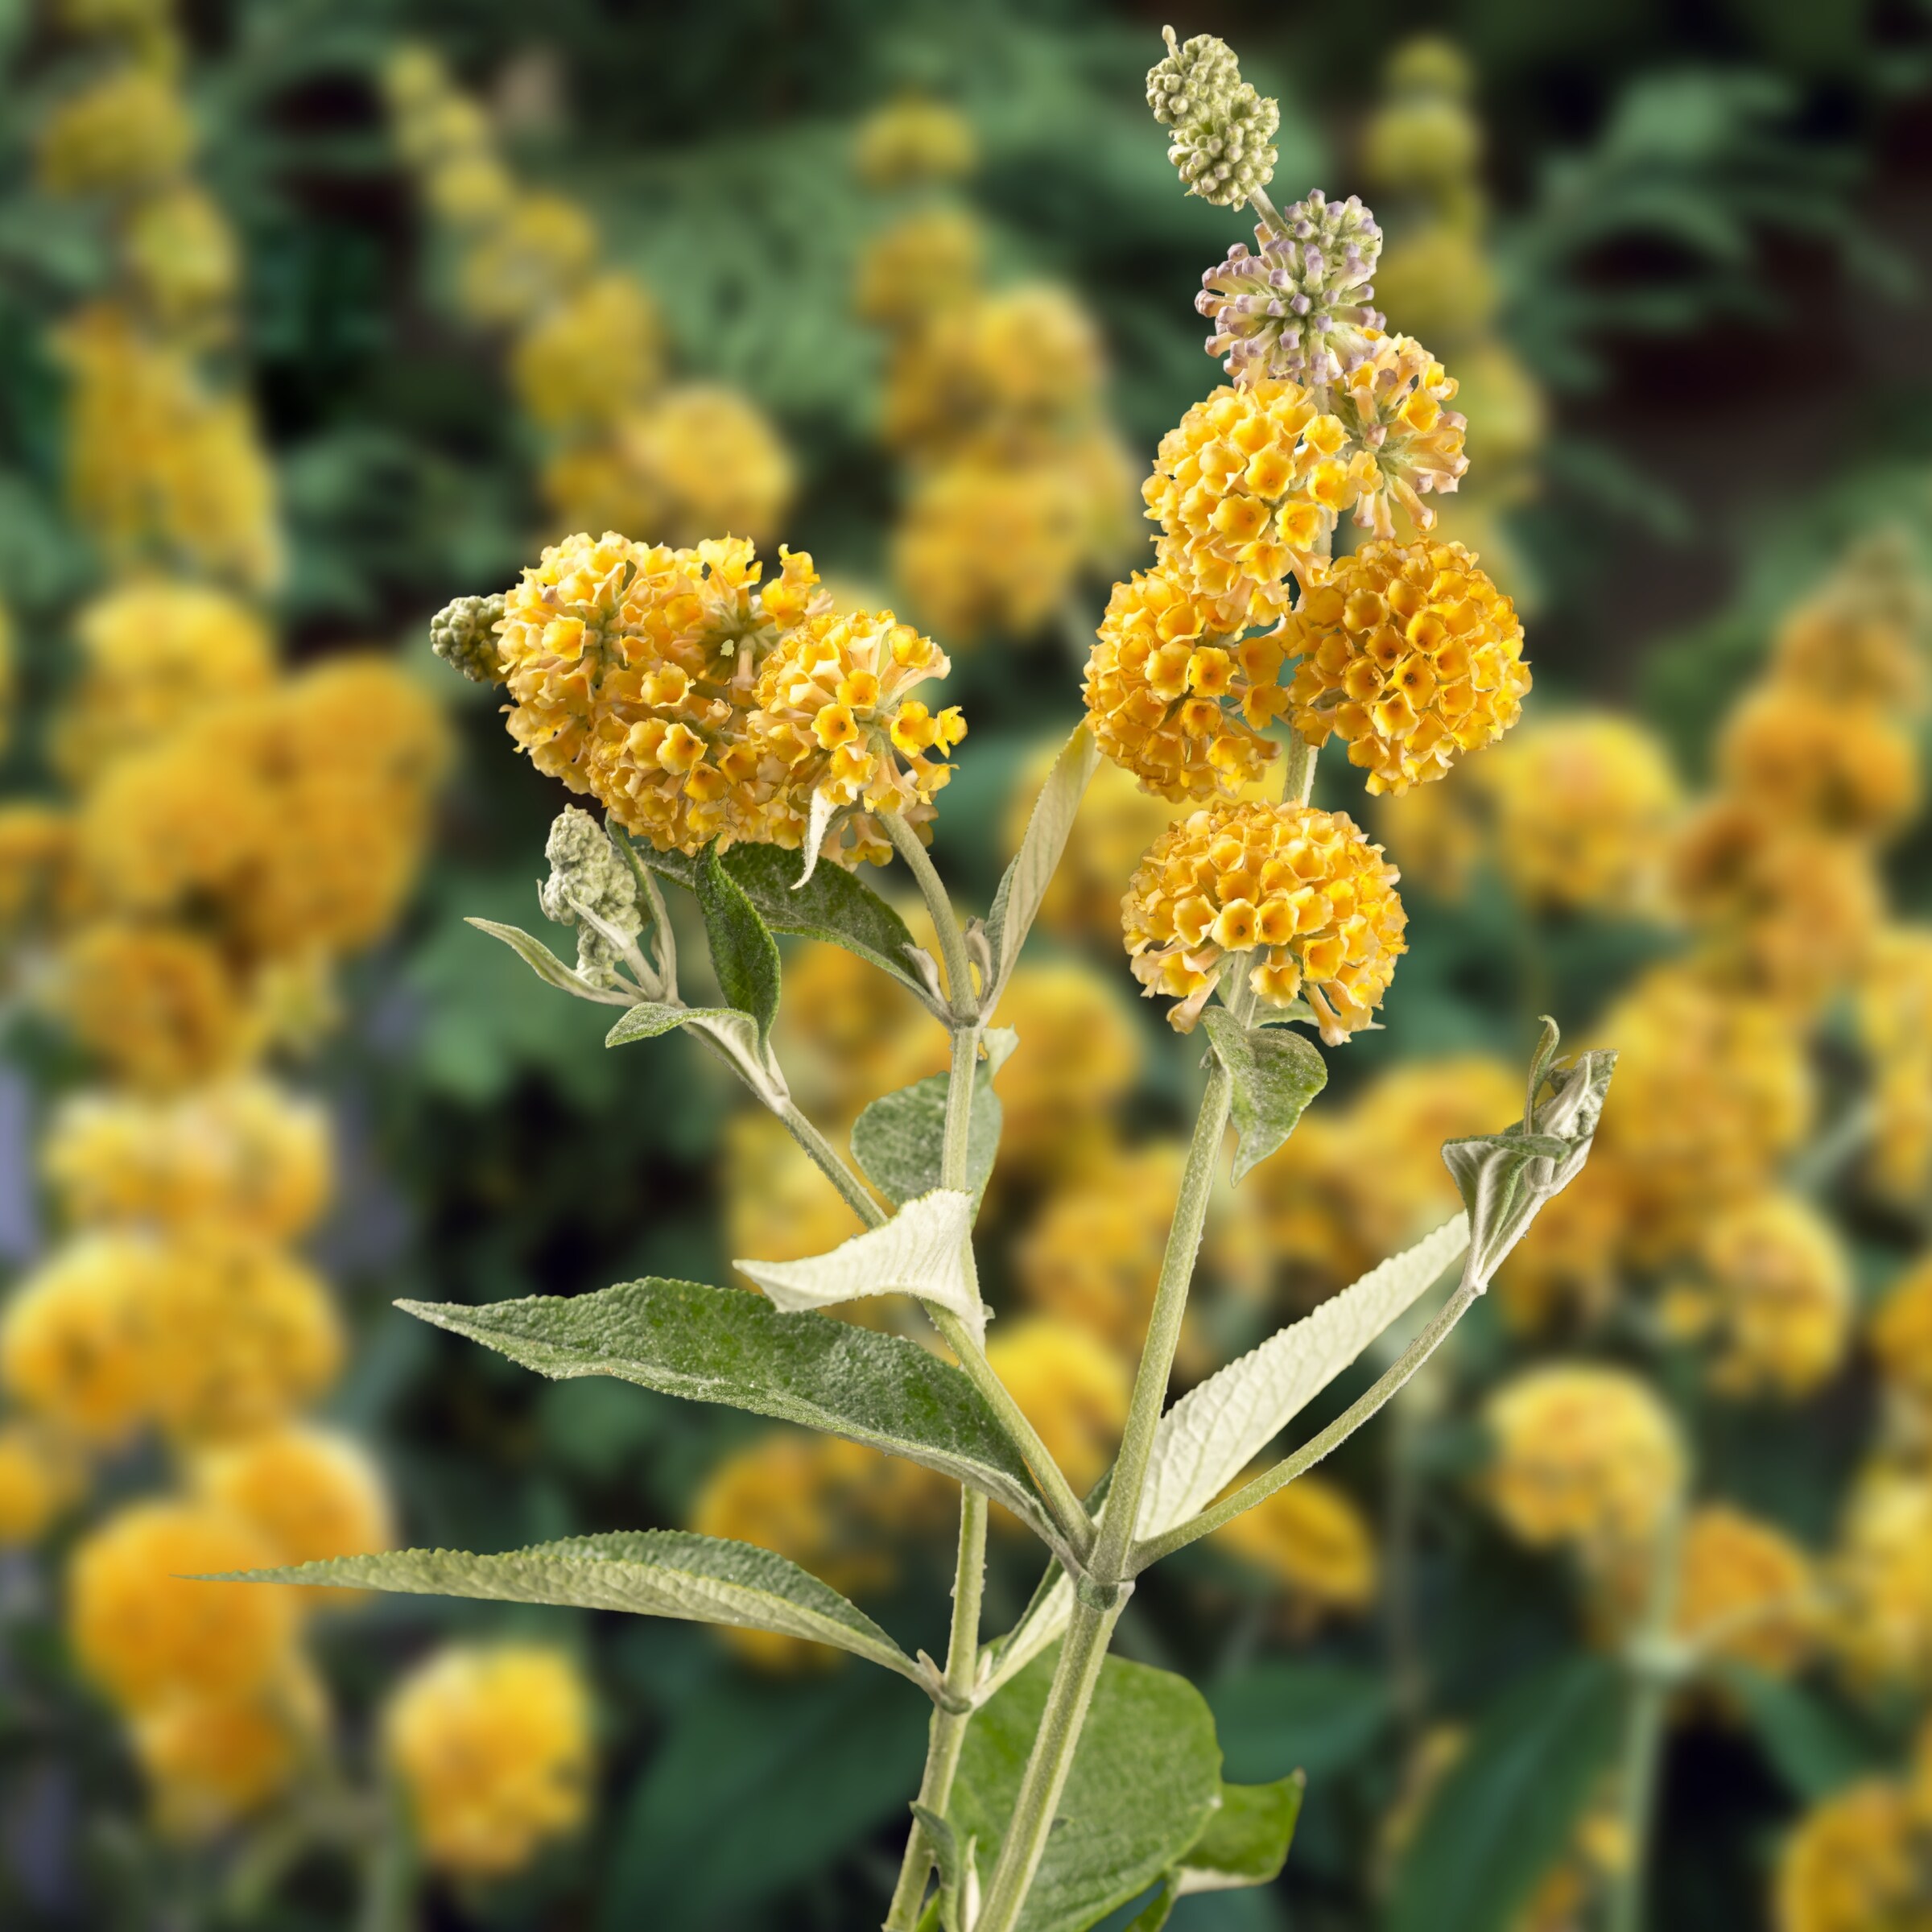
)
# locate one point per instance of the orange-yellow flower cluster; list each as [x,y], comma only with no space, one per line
[1300,890]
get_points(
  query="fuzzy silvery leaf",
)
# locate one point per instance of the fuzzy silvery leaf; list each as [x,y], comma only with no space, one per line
[710,1344]
[899,1140]
[547,967]
[1215,1430]
[920,1252]
[1276,1074]
[735,1035]
[1144,1782]
[1505,1177]
[817,824]
[743,953]
[704,1580]
[1247,1839]
[1017,903]
[831,905]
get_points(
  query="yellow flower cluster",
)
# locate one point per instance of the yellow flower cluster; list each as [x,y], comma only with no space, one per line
[912,140]
[156,1006]
[1582,805]
[1411,655]
[41,1477]
[183,264]
[587,357]
[1843,769]
[1585,1457]
[1745,1592]
[1901,1338]
[1312,1538]
[1857,1862]
[925,264]
[1894,1011]
[1301,890]
[492,1751]
[1882,1567]
[697,705]
[1861,638]
[125,131]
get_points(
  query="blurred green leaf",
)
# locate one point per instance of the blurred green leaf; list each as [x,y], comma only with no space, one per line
[1319,1717]
[1817,1748]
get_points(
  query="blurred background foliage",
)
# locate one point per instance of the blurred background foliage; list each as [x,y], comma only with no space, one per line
[1693,263]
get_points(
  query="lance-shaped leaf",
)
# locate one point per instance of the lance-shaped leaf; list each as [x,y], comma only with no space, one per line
[743,952]
[1276,1074]
[1505,1177]
[920,1251]
[1245,1845]
[958,1902]
[1017,901]
[1215,1430]
[735,1035]
[831,905]
[701,1580]
[723,1345]
[547,967]
[899,1140]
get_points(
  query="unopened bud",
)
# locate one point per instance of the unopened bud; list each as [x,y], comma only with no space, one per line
[463,634]
[592,887]
[1224,131]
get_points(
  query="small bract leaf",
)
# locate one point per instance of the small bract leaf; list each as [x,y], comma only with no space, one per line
[547,966]
[1017,903]
[743,952]
[832,905]
[709,1344]
[920,1251]
[1246,1841]
[735,1034]
[899,1140]
[1275,1073]
[817,824]
[704,1580]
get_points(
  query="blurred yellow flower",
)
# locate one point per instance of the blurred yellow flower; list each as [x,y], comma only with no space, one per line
[210,1762]
[593,358]
[126,129]
[1859,639]
[1882,1565]
[181,254]
[536,254]
[42,1475]
[1894,1014]
[913,140]
[493,1750]
[1437,282]
[1299,898]
[39,880]
[73,1338]
[926,262]
[1585,1456]
[1440,832]
[1840,768]
[1567,1264]
[1313,1539]
[1744,1592]
[1856,1864]
[1901,1335]
[846,1034]
[157,1006]
[148,1633]
[1073,1388]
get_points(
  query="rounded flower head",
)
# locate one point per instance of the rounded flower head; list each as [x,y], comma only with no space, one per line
[925,263]
[913,141]
[1861,639]
[73,1339]
[183,257]
[837,726]
[1412,655]
[148,1632]
[1776,1297]
[1224,131]
[1841,769]
[1582,805]
[1882,1624]
[126,131]
[631,670]
[1855,1863]
[156,1005]
[463,634]
[211,1761]
[41,1477]
[492,1751]
[1438,282]
[1073,1388]
[1392,404]
[591,357]
[1901,1337]
[1314,1540]
[1742,1587]
[1175,693]
[247,1153]
[540,250]
[1297,307]
[1584,1456]
[1300,890]
[1778,909]
[1894,1010]
[39,880]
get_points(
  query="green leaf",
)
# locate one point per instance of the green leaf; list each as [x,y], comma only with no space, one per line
[1246,1841]
[920,1251]
[1017,903]
[1143,1787]
[743,952]
[735,1034]
[1816,1747]
[1505,1177]
[958,1904]
[724,1345]
[899,1140]
[547,966]
[1508,1809]
[1276,1074]
[833,905]
[700,1579]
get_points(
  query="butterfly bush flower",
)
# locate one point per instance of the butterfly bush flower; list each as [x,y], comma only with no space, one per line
[1741,1588]
[42,1476]
[1392,403]
[914,141]
[1299,306]
[1846,769]
[1856,1860]
[1901,1339]
[1298,898]
[209,1762]
[600,349]
[1224,131]
[463,634]
[1411,655]
[71,1339]
[126,131]
[158,1005]
[925,264]
[1313,1538]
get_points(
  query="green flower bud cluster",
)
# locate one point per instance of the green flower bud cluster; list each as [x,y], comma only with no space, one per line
[463,634]
[1224,131]
[592,887]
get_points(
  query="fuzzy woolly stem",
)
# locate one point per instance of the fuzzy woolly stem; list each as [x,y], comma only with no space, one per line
[1259,200]
[832,1165]
[1297,770]
[959,991]
[1312,1452]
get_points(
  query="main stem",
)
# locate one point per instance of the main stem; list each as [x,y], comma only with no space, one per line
[1103,1593]
[1644,1736]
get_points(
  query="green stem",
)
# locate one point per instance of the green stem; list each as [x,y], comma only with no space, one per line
[947,1736]
[1297,770]
[1312,1452]
[1643,1734]
[832,1165]
[932,889]
[957,1148]
[1083,1651]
